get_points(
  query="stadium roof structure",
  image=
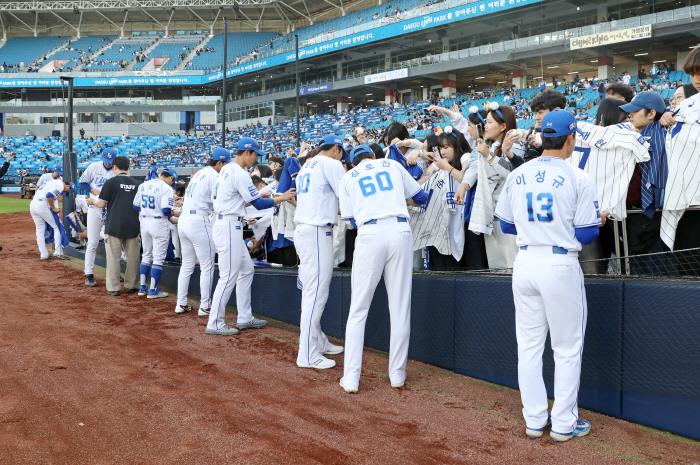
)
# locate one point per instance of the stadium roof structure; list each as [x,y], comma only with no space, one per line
[41,16]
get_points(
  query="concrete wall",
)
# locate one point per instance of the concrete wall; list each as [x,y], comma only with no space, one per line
[92,130]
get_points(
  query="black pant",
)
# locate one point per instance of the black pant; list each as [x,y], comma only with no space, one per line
[688,237]
[644,237]
[474,256]
[285,256]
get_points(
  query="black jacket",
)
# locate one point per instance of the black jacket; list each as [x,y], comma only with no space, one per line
[4,168]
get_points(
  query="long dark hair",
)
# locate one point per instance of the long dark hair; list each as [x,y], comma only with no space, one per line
[609,112]
[458,143]
[508,119]
[393,131]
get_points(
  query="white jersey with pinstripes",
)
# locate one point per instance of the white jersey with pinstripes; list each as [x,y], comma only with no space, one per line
[609,155]
[376,189]
[547,199]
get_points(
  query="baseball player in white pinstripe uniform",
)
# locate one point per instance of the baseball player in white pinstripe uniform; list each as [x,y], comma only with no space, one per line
[196,235]
[552,208]
[373,196]
[92,181]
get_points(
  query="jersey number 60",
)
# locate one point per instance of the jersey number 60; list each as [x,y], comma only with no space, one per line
[383,182]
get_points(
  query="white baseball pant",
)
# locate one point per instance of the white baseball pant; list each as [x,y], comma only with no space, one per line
[314,245]
[235,269]
[94,226]
[382,248]
[155,233]
[41,214]
[197,243]
[549,296]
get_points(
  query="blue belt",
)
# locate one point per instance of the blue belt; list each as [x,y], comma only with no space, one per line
[555,250]
[154,217]
[221,217]
[199,212]
[398,218]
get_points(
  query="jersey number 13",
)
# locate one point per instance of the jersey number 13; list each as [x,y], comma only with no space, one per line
[547,200]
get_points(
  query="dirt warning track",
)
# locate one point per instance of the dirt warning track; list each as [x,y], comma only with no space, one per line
[90,378]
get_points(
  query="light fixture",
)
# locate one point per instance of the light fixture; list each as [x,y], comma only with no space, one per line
[578,8]
[422,86]
[573,72]
[371,100]
[552,67]
[326,101]
[538,77]
[660,61]
[640,54]
[480,77]
[369,94]
[501,82]
[430,40]
[594,61]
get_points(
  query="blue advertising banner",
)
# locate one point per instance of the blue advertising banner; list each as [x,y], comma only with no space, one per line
[10,189]
[314,89]
[381,33]
[441,18]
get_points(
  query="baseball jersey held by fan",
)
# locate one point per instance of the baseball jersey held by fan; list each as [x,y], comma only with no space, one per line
[318,184]
[609,155]
[233,190]
[376,189]
[430,223]
[198,195]
[152,197]
[546,199]
[96,175]
[683,183]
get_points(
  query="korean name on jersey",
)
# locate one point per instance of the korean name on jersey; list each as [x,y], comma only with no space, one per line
[546,199]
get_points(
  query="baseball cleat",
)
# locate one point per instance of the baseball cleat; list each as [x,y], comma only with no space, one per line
[583,427]
[398,385]
[143,290]
[348,389]
[254,323]
[321,363]
[61,257]
[90,280]
[333,350]
[203,312]
[45,258]
[225,330]
[183,309]
[156,294]
[535,433]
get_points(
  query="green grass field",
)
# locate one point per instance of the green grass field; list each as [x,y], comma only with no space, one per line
[9,205]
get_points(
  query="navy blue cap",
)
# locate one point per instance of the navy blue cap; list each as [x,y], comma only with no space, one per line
[248,143]
[332,139]
[108,156]
[58,169]
[649,100]
[221,154]
[171,171]
[563,123]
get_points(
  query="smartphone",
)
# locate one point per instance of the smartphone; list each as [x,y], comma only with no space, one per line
[480,130]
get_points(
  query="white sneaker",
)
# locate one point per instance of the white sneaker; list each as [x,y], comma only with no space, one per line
[203,312]
[183,308]
[398,385]
[348,389]
[333,350]
[321,363]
